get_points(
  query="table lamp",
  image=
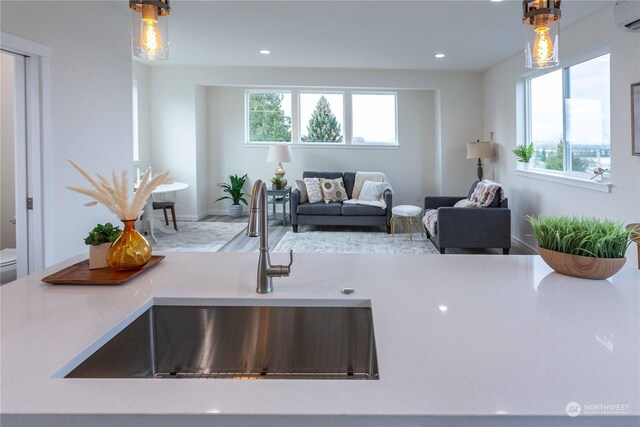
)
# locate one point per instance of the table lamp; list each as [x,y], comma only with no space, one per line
[479,150]
[280,153]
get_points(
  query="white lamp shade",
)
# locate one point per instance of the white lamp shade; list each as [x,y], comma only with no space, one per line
[280,153]
[479,150]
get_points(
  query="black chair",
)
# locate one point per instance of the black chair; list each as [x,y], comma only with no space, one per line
[164,206]
[469,228]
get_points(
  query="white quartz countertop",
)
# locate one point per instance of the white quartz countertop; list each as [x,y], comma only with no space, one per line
[455,335]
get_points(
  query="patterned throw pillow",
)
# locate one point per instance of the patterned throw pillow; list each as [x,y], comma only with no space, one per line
[372,191]
[333,190]
[304,198]
[314,193]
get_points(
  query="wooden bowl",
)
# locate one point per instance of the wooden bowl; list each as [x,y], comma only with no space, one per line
[584,267]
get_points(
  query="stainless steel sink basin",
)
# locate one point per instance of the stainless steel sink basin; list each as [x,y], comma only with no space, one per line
[257,342]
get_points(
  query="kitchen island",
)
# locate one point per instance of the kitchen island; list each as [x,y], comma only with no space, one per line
[462,340]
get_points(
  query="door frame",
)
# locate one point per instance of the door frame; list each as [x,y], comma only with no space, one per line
[29,159]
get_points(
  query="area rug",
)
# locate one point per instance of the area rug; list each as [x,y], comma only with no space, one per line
[197,236]
[350,242]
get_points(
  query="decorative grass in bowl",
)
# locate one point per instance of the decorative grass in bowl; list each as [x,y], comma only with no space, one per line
[589,248]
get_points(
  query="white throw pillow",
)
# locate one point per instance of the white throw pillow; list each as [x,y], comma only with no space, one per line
[304,198]
[464,203]
[372,191]
[314,192]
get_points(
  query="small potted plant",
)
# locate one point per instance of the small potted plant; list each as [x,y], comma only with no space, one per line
[277,183]
[234,189]
[524,154]
[589,248]
[99,241]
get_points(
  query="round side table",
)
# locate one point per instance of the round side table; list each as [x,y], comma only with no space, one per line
[408,214]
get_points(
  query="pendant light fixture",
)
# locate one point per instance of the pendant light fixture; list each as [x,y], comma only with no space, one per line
[150,29]
[542,48]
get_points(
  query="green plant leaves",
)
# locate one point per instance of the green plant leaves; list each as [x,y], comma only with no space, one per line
[581,236]
[234,189]
[102,234]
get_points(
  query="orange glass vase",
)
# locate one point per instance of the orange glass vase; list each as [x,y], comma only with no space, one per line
[130,251]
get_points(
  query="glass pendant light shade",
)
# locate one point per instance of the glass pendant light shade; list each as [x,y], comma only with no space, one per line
[543,16]
[150,29]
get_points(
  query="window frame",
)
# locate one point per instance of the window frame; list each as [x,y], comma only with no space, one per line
[347,112]
[301,125]
[247,92]
[376,143]
[567,149]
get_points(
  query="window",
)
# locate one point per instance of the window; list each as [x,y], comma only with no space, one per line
[569,118]
[322,117]
[268,116]
[136,144]
[373,118]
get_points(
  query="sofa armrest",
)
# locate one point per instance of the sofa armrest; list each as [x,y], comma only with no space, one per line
[295,201]
[474,227]
[388,199]
[435,202]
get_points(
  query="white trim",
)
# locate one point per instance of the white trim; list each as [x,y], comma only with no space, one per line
[37,134]
[328,145]
[23,46]
[566,180]
[524,247]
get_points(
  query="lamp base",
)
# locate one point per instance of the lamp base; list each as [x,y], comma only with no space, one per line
[280,173]
[480,172]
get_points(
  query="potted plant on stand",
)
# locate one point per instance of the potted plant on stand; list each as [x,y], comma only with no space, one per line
[524,154]
[277,183]
[99,241]
[234,189]
[589,248]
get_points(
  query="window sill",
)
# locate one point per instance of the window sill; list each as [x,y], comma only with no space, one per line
[328,146]
[566,180]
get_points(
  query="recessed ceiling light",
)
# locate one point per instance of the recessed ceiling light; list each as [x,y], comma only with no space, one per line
[443,308]
[264,51]
[496,1]
[439,55]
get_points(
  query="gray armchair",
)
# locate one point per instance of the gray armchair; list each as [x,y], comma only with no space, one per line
[470,227]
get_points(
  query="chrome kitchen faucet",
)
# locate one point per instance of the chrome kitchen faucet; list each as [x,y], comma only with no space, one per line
[266,271]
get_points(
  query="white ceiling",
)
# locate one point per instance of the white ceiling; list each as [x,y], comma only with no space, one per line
[475,35]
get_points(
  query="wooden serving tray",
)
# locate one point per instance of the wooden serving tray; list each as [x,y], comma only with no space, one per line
[79,274]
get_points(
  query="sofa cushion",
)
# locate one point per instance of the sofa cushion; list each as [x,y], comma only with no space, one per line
[495,203]
[304,198]
[349,179]
[319,209]
[362,210]
[325,175]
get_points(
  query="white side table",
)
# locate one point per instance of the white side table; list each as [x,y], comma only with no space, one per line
[408,214]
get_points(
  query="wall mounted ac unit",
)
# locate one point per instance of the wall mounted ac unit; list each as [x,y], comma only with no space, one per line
[627,13]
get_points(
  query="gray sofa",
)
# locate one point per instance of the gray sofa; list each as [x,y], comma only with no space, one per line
[322,213]
[470,227]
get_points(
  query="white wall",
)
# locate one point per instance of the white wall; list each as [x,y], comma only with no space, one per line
[142,75]
[410,167]
[7,154]
[504,115]
[458,99]
[90,106]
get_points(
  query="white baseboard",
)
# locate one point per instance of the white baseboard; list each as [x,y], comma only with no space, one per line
[186,218]
[225,211]
[523,246]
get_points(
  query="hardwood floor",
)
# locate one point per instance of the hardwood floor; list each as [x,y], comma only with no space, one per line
[242,243]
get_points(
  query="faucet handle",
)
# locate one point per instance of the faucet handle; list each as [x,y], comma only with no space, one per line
[280,270]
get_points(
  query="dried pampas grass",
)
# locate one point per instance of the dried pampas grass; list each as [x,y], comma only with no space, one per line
[115,195]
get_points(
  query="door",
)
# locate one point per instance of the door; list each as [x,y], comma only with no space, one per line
[14,218]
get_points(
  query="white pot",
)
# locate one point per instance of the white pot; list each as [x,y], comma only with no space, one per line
[235,211]
[526,166]
[98,256]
